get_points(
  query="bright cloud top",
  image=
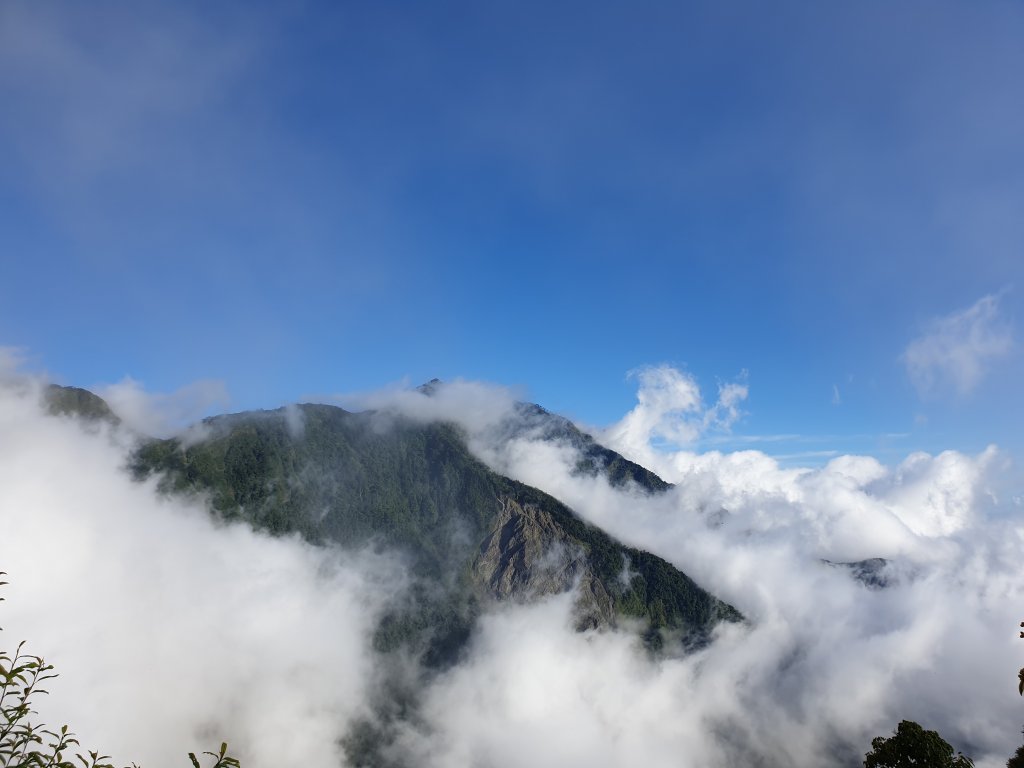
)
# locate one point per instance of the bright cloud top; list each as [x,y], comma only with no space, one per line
[670,410]
[957,350]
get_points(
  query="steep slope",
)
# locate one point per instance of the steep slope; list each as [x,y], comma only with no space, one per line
[355,478]
[532,421]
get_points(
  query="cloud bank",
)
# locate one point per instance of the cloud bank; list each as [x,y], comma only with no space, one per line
[172,632]
[828,661]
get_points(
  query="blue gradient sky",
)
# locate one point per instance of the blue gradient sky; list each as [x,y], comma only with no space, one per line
[337,196]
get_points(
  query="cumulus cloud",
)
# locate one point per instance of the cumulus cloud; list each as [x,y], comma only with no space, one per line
[836,661]
[955,351]
[671,411]
[829,661]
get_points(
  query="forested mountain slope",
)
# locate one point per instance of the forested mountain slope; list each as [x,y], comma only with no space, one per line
[469,535]
[359,478]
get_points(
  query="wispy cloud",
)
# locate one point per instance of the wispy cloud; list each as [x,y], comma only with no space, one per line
[163,414]
[96,91]
[11,359]
[957,350]
[671,411]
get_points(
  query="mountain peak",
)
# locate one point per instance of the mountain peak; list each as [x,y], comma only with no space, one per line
[430,388]
[78,402]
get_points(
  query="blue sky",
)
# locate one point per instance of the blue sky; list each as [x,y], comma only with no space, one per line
[330,197]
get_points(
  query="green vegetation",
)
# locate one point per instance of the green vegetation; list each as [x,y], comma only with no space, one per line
[348,478]
[373,478]
[1017,759]
[911,746]
[221,759]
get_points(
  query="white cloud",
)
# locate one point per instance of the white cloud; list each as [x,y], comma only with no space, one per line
[186,632]
[535,693]
[163,414]
[956,351]
[476,406]
[937,495]
[825,664]
[170,632]
[670,411]
[828,663]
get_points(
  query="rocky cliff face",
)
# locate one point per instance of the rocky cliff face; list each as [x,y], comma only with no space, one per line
[527,555]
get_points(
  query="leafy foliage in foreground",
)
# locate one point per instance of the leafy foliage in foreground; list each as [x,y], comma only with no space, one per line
[28,744]
[911,746]
[1017,760]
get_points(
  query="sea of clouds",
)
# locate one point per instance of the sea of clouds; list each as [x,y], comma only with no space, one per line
[172,632]
[826,661]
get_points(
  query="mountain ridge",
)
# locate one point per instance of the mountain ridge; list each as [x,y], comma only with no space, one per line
[470,538]
[380,479]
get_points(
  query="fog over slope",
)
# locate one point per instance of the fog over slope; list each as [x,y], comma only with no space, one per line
[829,661]
[172,632]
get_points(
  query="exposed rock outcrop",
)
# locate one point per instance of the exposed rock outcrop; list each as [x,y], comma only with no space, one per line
[527,555]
